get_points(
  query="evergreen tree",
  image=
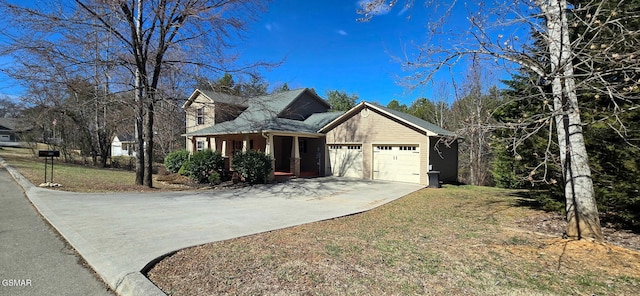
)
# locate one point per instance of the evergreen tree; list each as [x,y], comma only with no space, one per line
[423,109]
[340,100]
[395,105]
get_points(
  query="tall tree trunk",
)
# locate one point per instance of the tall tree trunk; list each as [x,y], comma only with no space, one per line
[582,213]
[140,102]
[148,178]
[139,131]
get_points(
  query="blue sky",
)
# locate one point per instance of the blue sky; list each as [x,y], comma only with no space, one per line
[326,48]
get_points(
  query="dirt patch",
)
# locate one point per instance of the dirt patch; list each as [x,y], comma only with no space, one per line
[460,240]
[554,224]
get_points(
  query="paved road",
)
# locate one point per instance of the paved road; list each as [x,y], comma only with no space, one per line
[32,256]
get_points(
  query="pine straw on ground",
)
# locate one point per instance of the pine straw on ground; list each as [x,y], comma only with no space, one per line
[457,240]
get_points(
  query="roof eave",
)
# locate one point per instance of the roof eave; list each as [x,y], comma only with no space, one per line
[191,98]
[253,132]
[369,105]
[339,119]
[313,94]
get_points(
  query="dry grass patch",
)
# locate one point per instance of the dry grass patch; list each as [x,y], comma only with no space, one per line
[458,240]
[77,178]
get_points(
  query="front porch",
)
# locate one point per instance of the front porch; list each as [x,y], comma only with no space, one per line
[293,155]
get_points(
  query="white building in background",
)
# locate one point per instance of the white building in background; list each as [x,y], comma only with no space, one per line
[123,145]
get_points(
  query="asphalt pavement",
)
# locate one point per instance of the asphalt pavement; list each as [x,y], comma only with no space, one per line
[34,260]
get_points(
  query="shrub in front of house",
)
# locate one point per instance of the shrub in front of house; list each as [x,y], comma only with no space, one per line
[214,178]
[183,169]
[174,160]
[253,166]
[201,165]
[123,162]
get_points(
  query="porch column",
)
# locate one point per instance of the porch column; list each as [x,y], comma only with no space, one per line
[213,144]
[224,148]
[269,150]
[225,158]
[209,143]
[245,144]
[295,157]
[194,148]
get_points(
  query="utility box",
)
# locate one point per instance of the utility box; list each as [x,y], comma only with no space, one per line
[434,179]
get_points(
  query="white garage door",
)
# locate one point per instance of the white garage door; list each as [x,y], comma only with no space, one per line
[346,160]
[397,163]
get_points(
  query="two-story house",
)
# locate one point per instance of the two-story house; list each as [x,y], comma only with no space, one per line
[304,138]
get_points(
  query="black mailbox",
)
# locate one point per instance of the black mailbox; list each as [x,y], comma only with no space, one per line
[48,153]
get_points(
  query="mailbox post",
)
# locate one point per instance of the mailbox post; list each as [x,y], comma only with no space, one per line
[48,154]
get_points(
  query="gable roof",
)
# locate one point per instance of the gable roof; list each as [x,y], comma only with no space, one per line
[8,123]
[215,97]
[123,137]
[244,125]
[264,113]
[276,103]
[430,129]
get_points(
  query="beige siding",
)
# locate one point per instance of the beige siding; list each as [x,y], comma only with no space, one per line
[191,112]
[369,128]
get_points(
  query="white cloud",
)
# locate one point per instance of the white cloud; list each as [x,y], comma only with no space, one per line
[342,32]
[404,9]
[273,26]
[375,7]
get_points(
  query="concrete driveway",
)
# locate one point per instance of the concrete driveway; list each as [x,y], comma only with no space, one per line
[120,234]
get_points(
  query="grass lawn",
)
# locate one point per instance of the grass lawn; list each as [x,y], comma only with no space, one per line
[74,177]
[449,241]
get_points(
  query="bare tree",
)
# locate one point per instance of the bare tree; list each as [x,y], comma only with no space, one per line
[10,107]
[471,116]
[506,32]
[441,97]
[45,68]
[148,38]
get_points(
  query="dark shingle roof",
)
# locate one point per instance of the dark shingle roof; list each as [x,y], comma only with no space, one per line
[262,115]
[225,98]
[8,123]
[418,121]
[124,137]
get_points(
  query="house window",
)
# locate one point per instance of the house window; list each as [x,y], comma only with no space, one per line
[238,146]
[383,147]
[200,145]
[200,116]
[334,147]
[408,148]
[354,147]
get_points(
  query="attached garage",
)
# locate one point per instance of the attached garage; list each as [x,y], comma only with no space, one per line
[392,146]
[345,160]
[396,163]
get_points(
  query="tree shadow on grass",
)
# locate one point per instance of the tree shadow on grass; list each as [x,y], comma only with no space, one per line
[525,198]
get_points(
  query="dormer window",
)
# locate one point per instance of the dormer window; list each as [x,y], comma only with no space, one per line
[200,116]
